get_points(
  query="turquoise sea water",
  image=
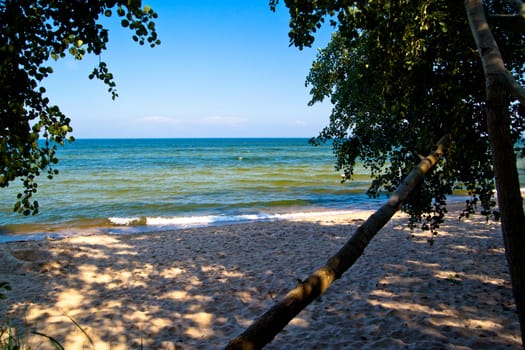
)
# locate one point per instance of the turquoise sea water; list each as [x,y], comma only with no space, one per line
[141,185]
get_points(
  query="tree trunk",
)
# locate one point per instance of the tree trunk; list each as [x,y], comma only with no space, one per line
[498,88]
[267,326]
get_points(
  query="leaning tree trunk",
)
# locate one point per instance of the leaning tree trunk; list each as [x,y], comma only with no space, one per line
[498,87]
[267,326]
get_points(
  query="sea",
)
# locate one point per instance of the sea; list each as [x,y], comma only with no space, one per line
[122,186]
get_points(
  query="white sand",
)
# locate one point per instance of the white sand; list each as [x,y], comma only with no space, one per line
[199,288]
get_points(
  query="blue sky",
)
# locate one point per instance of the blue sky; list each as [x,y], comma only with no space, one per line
[224,69]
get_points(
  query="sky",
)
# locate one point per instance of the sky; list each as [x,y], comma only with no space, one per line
[223,69]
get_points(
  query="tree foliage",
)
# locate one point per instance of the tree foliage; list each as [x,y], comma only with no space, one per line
[31,34]
[400,75]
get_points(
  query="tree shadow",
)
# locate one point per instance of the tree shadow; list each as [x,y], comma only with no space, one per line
[193,289]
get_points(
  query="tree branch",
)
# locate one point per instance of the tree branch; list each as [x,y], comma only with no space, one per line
[267,326]
[489,50]
[498,83]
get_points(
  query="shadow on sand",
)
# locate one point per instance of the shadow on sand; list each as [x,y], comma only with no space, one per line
[199,288]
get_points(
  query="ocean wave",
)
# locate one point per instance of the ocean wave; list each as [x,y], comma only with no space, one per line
[129,221]
[179,222]
[145,224]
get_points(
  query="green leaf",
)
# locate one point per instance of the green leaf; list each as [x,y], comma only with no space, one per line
[36,32]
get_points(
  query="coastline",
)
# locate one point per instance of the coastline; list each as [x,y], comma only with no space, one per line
[198,288]
[147,225]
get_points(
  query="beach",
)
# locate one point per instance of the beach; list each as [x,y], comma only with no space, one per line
[199,288]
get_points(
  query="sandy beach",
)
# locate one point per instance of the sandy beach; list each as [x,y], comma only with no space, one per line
[199,288]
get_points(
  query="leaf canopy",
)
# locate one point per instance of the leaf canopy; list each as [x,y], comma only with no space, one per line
[32,33]
[400,75]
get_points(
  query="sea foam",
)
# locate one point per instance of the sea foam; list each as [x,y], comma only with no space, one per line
[144,224]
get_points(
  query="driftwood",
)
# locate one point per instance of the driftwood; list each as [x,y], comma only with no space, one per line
[267,326]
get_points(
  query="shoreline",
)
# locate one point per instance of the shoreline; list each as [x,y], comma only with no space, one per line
[148,225]
[199,288]
[153,224]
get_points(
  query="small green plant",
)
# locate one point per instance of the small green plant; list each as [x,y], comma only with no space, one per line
[52,340]
[7,340]
[11,340]
[6,287]
[83,331]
